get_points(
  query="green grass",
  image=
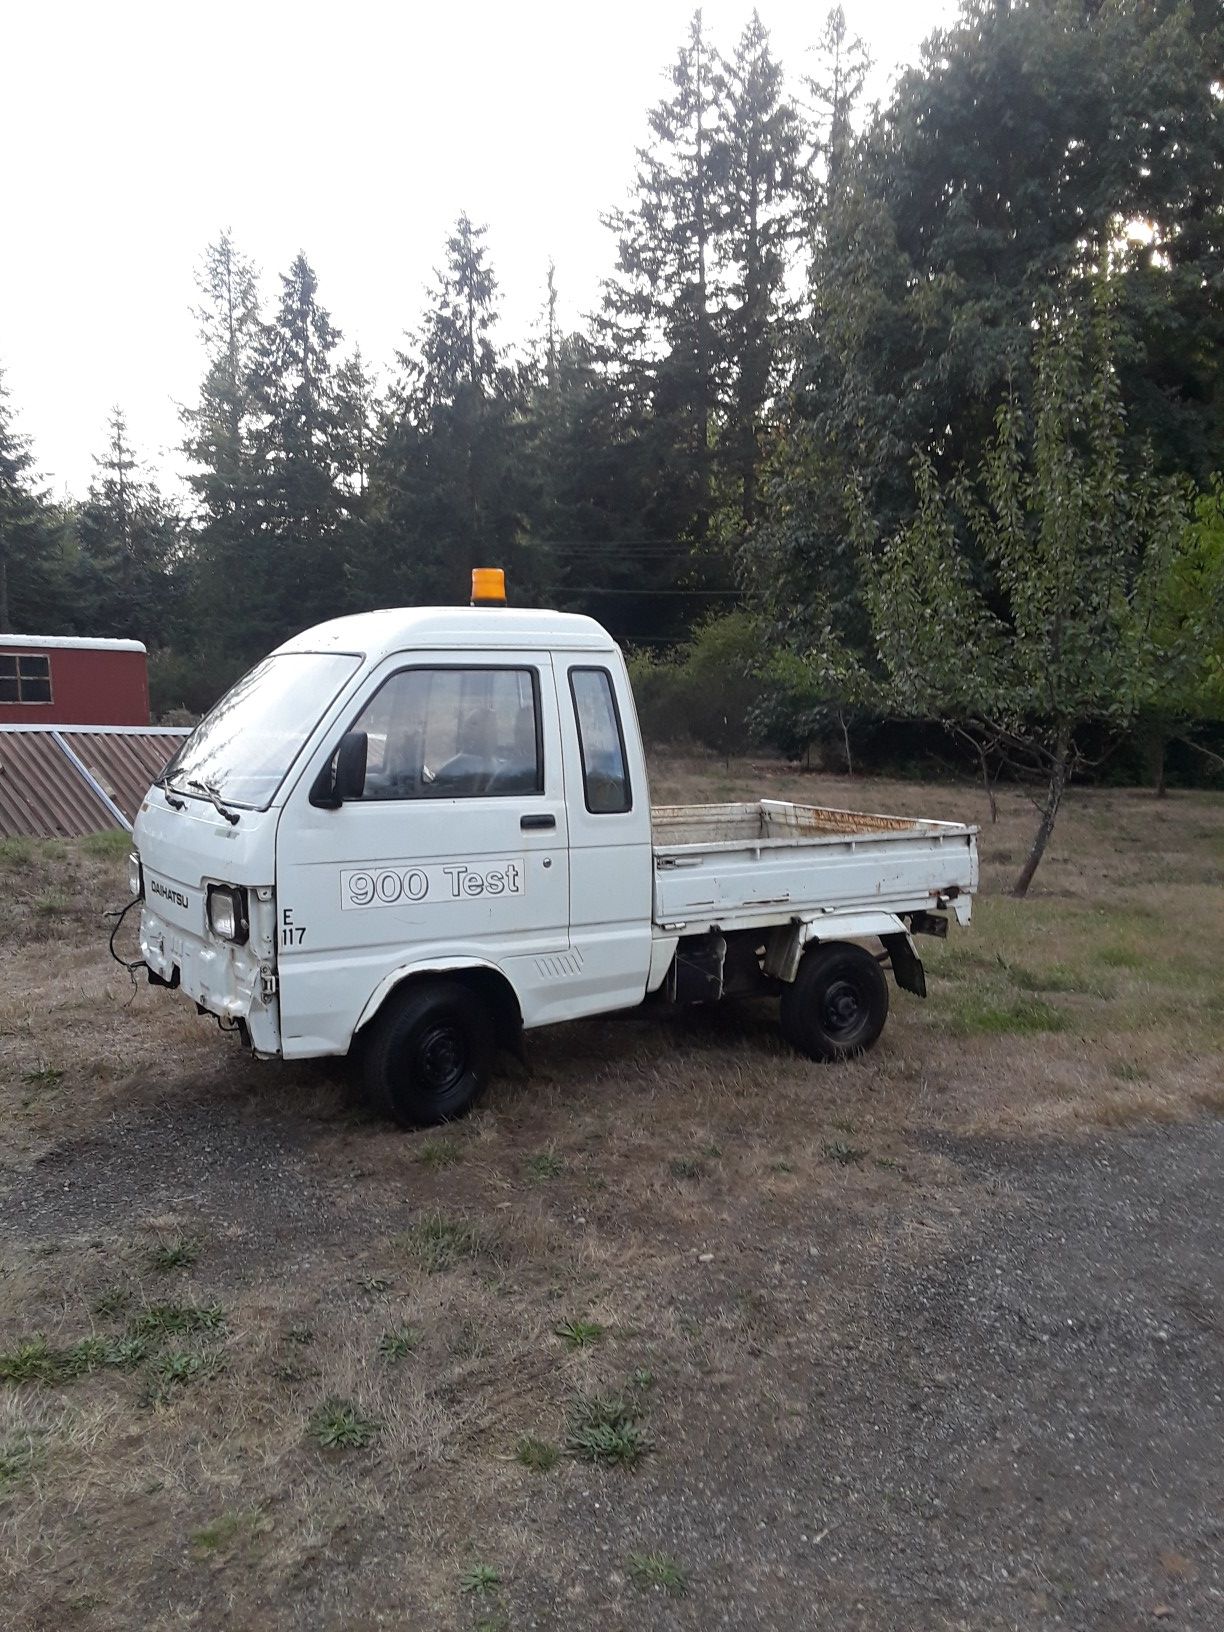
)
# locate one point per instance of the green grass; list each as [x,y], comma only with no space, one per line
[113,845]
[52,905]
[843,1153]
[33,1361]
[480,1580]
[399,1343]
[606,1428]
[545,1164]
[649,1571]
[18,1455]
[179,1253]
[685,1167]
[438,1243]
[16,852]
[158,1319]
[980,1014]
[43,1076]
[1118,957]
[341,1425]
[537,1454]
[438,1153]
[180,1366]
[579,1334]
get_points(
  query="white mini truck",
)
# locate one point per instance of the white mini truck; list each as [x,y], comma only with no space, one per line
[411,834]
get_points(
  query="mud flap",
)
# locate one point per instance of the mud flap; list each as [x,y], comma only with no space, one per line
[906,964]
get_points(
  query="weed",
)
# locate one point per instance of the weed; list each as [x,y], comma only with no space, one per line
[1127,1071]
[781,1167]
[341,1425]
[650,1570]
[642,1379]
[299,1334]
[157,1319]
[124,1352]
[845,1126]
[374,1284]
[181,1366]
[45,1076]
[84,1357]
[712,1151]
[536,1454]
[989,1017]
[18,1454]
[1117,957]
[685,1167]
[435,1153]
[545,1164]
[480,1580]
[579,1334]
[843,1153]
[228,1527]
[112,1302]
[179,1253]
[439,1243]
[397,1344]
[33,1361]
[52,905]
[113,845]
[16,852]
[606,1428]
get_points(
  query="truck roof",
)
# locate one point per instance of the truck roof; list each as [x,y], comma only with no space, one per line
[407,628]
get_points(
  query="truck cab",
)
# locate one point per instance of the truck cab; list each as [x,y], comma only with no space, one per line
[414,833]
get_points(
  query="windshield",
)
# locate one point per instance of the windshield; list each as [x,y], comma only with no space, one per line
[241,752]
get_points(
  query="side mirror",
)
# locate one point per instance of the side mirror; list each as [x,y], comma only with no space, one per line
[343,777]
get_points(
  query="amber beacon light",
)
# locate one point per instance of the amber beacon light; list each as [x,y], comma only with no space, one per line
[488,586]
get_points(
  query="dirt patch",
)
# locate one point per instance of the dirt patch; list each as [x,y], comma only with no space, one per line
[912,1343]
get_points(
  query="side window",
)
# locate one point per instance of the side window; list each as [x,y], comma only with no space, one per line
[453,734]
[25,679]
[605,778]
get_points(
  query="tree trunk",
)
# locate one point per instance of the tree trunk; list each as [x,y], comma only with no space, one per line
[1054,794]
[1162,754]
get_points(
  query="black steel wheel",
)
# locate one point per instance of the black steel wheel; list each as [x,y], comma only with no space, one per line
[430,1053]
[837,1004]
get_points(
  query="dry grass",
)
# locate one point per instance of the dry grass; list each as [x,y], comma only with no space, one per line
[678,1189]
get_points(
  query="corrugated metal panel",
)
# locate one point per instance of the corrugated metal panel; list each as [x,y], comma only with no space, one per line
[42,794]
[123,763]
[45,772]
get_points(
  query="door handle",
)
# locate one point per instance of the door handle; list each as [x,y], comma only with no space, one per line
[531,823]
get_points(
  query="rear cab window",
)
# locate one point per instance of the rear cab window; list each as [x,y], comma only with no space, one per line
[601,742]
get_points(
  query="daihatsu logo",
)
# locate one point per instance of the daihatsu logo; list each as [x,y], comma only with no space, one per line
[169,893]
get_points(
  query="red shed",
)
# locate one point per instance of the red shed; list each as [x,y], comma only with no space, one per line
[60,680]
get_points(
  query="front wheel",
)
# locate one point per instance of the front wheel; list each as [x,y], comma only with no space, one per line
[430,1053]
[837,1004]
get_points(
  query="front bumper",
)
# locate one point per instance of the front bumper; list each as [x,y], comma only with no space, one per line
[235,983]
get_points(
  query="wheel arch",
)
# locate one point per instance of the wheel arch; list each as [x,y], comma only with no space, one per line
[476,973]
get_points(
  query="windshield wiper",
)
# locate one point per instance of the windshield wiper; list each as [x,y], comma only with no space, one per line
[210,793]
[175,804]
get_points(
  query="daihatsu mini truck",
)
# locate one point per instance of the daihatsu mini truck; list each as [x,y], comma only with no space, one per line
[410,835]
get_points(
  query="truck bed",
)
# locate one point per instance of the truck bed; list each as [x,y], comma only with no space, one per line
[765,861]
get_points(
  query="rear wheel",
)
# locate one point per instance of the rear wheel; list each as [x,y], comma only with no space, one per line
[837,1004]
[430,1053]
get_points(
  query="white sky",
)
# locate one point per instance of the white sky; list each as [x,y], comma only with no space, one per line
[133,132]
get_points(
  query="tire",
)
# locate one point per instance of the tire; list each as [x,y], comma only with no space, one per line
[429,1054]
[837,1004]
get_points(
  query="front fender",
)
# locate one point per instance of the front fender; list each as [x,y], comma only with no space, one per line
[422,966]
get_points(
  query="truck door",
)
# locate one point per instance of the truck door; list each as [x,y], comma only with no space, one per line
[457,849]
[611,877]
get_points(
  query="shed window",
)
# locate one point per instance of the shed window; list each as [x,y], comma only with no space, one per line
[24,679]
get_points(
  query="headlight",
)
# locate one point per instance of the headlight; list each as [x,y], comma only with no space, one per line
[135,877]
[227,914]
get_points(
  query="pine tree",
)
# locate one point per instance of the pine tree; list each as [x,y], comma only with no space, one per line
[445,483]
[659,324]
[32,586]
[758,211]
[835,89]
[226,566]
[130,542]
[303,507]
